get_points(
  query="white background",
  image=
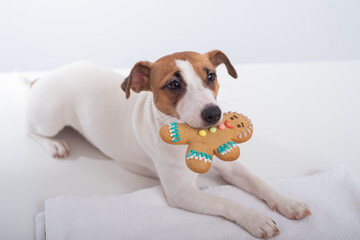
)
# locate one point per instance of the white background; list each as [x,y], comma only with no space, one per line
[43,34]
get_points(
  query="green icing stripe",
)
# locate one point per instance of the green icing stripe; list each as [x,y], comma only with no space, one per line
[226,146]
[174,131]
[197,154]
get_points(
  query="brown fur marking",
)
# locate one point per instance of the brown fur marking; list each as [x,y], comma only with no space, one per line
[156,75]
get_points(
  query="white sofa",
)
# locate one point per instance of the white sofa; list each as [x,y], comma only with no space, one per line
[306,118]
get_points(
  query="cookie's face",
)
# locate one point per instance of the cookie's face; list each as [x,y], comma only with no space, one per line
[184,85]
[240,124]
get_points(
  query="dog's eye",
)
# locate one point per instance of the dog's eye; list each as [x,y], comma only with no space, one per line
[173,85]
[211,77]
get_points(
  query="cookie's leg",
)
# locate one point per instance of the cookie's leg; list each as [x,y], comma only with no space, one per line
[236,174]
[181,192]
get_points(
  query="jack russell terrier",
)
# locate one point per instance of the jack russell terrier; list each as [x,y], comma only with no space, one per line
[181,86]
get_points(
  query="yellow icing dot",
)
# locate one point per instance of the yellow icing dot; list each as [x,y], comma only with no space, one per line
[202,133]
[212,129]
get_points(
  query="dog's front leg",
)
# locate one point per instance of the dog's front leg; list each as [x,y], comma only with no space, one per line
[181,192]
[236,174]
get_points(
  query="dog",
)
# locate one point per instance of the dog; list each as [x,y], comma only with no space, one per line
[125,126]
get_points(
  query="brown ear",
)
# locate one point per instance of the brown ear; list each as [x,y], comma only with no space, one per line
[217,57]
[138,79]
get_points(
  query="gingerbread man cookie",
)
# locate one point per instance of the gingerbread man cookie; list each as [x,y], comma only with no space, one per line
[204,143]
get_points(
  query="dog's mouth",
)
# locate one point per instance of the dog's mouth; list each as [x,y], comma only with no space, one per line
[211,125]
[204,117]
[202,124]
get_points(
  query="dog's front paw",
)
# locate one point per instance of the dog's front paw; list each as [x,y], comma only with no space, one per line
[258,225]
[289,208]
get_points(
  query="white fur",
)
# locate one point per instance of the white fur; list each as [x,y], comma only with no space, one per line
[88,98]
[196,98]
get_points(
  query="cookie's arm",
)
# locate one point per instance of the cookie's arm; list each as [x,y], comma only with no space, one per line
[227,151]
[174,133]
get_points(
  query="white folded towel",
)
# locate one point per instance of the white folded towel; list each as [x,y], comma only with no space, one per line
[333,196]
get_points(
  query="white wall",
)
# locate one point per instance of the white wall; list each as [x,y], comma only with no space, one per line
[43,34]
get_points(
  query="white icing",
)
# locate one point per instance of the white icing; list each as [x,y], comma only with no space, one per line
[227,150]
[193,156]
[244,133]
[173,132]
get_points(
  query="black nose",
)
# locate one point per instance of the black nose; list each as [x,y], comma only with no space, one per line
[211,114]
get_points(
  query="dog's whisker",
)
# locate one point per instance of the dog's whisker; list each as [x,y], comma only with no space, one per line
[161,118]
[165,118]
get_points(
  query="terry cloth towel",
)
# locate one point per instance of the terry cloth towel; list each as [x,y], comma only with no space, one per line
[333,196]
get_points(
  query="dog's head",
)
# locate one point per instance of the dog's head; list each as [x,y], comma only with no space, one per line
[184,85]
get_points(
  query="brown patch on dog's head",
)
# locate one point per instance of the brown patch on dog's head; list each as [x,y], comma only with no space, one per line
[169,83]
[217,57]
